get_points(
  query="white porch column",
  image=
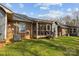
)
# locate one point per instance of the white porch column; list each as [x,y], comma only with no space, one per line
[55,28]
[36,29]
[77,31]
[68,32]
[5,26]
[46,27]
[56,31]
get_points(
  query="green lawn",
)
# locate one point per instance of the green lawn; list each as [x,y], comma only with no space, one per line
[61,46]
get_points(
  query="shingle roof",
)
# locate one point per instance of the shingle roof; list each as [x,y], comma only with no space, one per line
[21,17]
[62,25]
[66,26]
[41,20]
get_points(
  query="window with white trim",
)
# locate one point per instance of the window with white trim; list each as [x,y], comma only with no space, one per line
[22,27]
[73,30]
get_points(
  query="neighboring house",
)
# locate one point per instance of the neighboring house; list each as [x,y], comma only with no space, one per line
[68,30]
[15,26]
[73,30]
[63,30]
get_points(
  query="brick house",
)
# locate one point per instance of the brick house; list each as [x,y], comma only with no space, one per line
[68,30]
[15,26]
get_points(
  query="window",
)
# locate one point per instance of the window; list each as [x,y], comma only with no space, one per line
[2,17]
[73,30]
[48,27]
[22,27]
[42,27]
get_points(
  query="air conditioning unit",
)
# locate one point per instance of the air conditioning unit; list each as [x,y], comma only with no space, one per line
[17,37]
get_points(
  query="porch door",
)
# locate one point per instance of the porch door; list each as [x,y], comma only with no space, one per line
[2,25]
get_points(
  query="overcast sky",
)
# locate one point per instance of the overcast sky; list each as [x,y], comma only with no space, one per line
[44,10]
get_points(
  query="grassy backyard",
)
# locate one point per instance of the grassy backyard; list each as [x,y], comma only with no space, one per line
[61,46]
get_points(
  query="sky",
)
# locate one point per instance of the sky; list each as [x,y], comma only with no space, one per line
[44,10]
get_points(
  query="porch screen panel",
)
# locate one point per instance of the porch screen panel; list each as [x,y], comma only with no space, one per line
[2,25]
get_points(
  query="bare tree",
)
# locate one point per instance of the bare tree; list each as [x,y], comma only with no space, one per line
[76,17]
[67,19]
[72,20]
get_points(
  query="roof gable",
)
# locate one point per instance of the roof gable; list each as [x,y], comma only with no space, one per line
[5,8]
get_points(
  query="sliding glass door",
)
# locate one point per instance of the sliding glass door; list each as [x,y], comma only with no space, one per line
[2,25]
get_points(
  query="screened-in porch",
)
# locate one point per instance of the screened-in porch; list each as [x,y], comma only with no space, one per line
[42,30]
